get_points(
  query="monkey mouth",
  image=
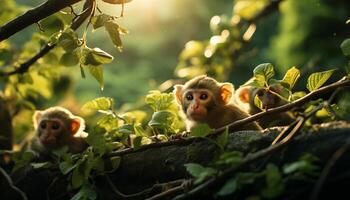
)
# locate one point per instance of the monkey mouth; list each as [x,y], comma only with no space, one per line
[197,116]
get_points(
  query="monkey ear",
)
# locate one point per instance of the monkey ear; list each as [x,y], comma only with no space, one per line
[178,93]
[36,117]
[244,94]
[76,125]
[226,91]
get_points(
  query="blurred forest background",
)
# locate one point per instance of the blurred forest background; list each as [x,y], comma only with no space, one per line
[306,34]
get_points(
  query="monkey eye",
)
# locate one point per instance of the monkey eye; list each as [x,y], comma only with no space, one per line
[203,96]
[55,126]
[43,125]
[189,97]
[260,93]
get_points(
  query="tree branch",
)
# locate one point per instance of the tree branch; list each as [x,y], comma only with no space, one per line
[266,11]
[229,172]
[75,25]
[33,16]
[344,82]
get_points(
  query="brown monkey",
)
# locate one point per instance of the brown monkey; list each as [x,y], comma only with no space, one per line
[56,127]
[204,100]
[245,98]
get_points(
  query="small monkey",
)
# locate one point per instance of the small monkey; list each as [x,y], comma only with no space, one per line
[204,100]
[245,98]
[56,127]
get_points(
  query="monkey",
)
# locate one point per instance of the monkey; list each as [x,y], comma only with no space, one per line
[204,100]
[55,128]
[245,95]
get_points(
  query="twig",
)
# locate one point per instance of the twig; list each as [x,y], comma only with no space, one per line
[312,95]
[32,16]
[40,27]
[294,128]
[173,191]
[221,177]
[323,90]
[266,11]
[285,130]
[5,179]
[326,170]
[146,192]
[73,12]
[75,24]
[153,145]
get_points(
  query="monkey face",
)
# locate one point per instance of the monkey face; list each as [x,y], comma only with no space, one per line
[196,102]
[268,99]
[51,132]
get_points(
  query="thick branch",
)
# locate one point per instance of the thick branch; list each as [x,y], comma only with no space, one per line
[140,171]
[33,16]
[76,24]
[234,125]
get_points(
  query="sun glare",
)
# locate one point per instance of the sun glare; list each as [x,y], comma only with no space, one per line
[142,7]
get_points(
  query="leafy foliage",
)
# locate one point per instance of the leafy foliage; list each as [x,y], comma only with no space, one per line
[117,130]
[199,172]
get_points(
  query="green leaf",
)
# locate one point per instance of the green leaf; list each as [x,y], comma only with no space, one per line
[263,73]
[316,80]
[77,178]
[305,165]
[97,73]
[297,95]
[101,103]
[114,31]
[66,167]
[69,59]
[258,103]
[25,78]
[108,122]
[254,83]
[345,47]
[229,187]
[194,169]
[115,161]
[43,165]
[139,130]
[86,192]
[137,142]
[61,151]
[201,130]
[161,119]
[95,57]
[274,183]
[222,139]
[68,40]
[23,160]
[199,172]
[97,141]
[230,158]
[291,77]
[126,129]
[99,20]
[160,101]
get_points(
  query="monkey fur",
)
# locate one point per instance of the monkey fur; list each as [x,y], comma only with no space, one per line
[245,95]
[57,127]
[204,100]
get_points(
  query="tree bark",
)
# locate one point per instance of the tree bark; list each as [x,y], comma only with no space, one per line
[141,170]
[33,16]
